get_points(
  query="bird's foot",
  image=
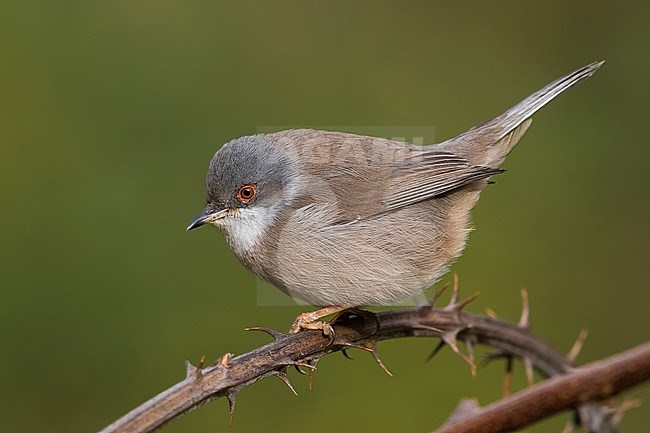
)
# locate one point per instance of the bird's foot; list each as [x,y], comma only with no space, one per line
[309,320]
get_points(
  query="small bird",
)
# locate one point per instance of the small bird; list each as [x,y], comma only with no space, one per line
[342,220]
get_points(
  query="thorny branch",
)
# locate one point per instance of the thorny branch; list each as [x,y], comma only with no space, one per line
[229,375]
[592,382]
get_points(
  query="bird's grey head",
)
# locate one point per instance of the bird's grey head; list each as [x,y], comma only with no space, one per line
[248,182]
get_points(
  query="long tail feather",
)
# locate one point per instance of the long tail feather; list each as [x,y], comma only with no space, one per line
[489,143]
[526,108]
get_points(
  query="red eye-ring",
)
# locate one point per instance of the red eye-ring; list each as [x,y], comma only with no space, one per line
[246,193]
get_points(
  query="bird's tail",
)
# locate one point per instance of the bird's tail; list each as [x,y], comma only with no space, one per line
[491,142]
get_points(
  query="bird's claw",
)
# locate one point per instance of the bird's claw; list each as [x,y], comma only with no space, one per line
[307,321]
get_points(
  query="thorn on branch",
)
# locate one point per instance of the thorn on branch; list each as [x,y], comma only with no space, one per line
[312,362]
[451,338]
[192,372]
[435,351]
[300,371]
[493,356]
[371,347]
[469,345]
[577,346]
[459,306]
[454,292]
[507,377]
[438,294]
[272,332]
[454,304]
[298,364]
[528,367]
[232,400]
[428,328]
[625,406]
[491,313]
[525,310]
[380,363]
[282,375]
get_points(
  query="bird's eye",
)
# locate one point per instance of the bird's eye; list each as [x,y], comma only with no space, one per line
[246,193]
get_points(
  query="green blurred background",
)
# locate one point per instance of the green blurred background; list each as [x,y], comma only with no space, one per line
[110,112]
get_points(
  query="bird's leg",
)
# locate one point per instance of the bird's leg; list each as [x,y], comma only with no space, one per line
[309,320]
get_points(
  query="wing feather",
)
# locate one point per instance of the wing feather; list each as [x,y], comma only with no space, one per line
[429,174]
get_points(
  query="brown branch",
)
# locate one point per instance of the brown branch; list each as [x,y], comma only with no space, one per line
[229,375]
[593,382]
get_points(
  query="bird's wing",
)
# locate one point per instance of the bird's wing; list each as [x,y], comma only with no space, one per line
[365,190]
[428,174]
[359,177]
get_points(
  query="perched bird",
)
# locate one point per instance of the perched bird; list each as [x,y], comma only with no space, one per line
[341,220]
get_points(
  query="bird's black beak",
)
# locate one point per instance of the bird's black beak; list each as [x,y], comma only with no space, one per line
[199,220]
[207,216]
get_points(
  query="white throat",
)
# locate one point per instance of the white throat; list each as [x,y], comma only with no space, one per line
[245,229]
